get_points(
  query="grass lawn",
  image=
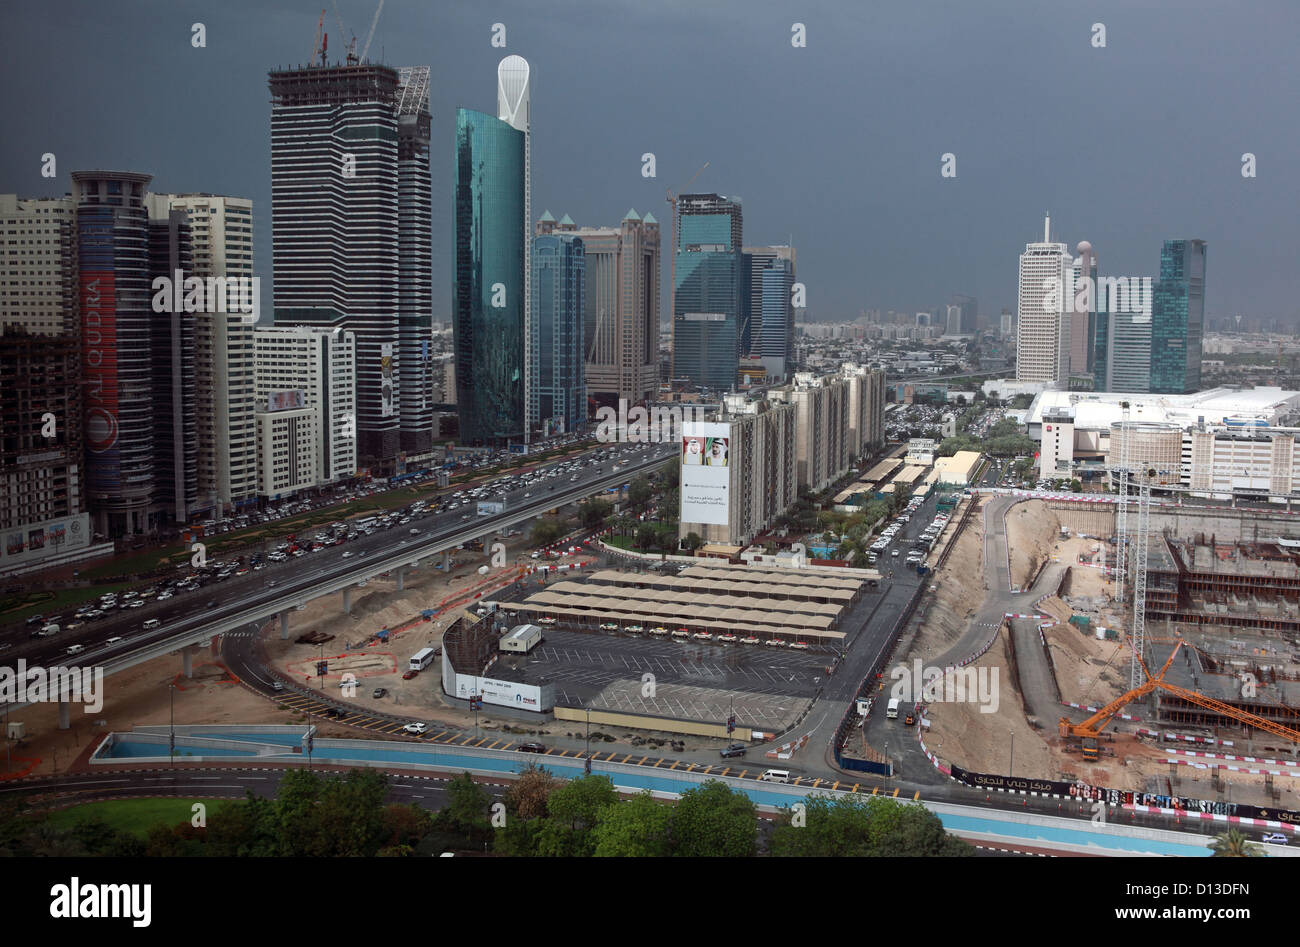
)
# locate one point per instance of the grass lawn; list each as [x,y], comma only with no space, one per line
[136,816]
[19,607]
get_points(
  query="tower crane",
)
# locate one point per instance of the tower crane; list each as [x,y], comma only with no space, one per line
[672,293]
[316,49]
[1090,729]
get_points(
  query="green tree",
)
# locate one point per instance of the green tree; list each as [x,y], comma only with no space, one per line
[712,820]
[574,810]
[692,541]
[467,806]
[862,826]
[1234,844]
[647,536]
[546,531]
[1076,485]
[635,828]
[594,512]
[639,492]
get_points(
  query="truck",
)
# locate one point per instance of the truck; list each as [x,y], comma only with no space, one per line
[47,630]
[521,639]
[491,507]
[421,659]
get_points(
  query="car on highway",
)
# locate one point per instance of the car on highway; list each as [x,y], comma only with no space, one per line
[732,750]
[415,728]
[348,554]
[532,748]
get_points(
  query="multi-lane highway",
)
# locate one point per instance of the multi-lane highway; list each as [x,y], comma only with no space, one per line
[240,600]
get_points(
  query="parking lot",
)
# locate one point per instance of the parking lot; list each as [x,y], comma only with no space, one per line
[768,687]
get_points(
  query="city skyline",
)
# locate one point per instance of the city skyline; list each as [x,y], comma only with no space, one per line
[965,221]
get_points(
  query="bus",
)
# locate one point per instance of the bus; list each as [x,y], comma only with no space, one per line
[421,659]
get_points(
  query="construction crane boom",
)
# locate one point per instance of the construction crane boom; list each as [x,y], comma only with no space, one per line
[371,35]
[1091,728]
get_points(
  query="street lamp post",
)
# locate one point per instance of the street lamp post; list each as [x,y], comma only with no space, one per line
[171,727]
[587,765]
[1011,767]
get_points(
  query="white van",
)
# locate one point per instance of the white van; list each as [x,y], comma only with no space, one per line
[891,711]
[75,649]
[49,630]
[151,624]
[775,776]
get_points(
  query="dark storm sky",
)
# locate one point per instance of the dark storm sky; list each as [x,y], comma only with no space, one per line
[837,144]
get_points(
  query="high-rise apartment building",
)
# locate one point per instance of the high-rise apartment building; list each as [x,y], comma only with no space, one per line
[558,271]
[621,310]
[1043,322]
[117,354]
[490,308]
[759,480]
[708,290]
[866,409]
[1178,318]
[822,429]
[225,387]
[350,217]
[42,502]
[306,368]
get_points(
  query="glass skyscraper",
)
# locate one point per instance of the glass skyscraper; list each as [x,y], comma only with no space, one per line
[707,294]
[490,279]
[350,226]
[559,402]
[1178,318]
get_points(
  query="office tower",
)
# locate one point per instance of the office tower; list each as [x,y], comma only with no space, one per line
[514,107]
[116,318]
[171,342]
[1007,325]
[310,367]
[1128,348]
[349,215]
[491,293]
[775,343]
[1178,318]
[621,310]
[1082,306]
[1043,332]
[706,320]
[753,261]
[559,402]
[225,387]
[961,315]
[414,263]
[42,504]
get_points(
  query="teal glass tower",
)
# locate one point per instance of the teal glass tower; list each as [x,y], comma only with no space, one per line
[489,304]
[1178,318]
[707,291]
[558,273]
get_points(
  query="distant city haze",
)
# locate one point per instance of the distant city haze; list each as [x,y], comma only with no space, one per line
[836,147]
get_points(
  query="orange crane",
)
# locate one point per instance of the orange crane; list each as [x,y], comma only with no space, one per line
[1091,728]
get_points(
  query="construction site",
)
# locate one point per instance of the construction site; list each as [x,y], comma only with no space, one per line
[1131,655]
